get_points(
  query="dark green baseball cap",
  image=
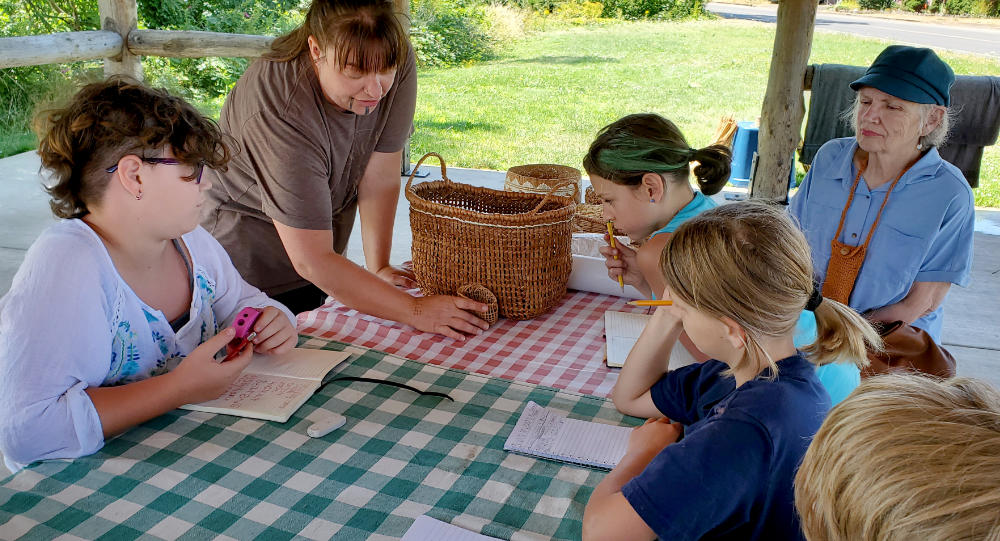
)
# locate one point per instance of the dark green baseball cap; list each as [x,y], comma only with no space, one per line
[910,73]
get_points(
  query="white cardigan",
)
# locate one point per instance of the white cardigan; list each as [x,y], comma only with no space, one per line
[70,322]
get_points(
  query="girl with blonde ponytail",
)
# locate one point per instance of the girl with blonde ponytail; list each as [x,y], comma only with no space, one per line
[640,165]
[739,276]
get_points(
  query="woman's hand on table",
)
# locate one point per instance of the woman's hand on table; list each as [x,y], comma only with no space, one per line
[447,315]
[275,333]
[625,266]
[398,276]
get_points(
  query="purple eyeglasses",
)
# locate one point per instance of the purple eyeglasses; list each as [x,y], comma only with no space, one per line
[166,161]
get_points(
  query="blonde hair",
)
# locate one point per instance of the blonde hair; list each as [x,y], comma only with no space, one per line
[749,262]
[905,457]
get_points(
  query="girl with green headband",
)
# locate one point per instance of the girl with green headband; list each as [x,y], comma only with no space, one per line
[640,167]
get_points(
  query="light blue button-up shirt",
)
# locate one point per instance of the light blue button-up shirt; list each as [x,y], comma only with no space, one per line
[924,235]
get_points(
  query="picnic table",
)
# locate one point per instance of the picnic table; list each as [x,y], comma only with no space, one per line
[563,348]
[195,475]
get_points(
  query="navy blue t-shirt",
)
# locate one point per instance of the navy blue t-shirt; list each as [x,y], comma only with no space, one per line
[731,475]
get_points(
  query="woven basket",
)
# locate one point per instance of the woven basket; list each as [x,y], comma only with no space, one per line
[589,219]
[590,196]
[515,244]
[544,178]
[481,293]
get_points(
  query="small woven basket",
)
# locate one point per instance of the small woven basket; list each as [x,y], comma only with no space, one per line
[544,178]
[590,219]
[590,196]
[481,293]
[517,245]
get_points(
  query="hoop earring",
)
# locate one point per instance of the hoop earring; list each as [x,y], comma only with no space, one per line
[138,196]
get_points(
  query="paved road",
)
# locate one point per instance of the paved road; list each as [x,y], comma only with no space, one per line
[955,37]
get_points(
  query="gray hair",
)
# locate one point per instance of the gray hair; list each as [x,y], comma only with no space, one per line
[935,138]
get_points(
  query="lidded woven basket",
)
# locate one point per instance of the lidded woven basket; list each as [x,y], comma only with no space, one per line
[518,245]
[544,178]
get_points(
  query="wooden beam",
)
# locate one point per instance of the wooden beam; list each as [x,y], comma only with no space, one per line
[120,16]
[58,48]
[196,44]
[784,107]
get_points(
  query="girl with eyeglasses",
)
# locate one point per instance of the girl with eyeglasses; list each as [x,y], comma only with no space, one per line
[118,310]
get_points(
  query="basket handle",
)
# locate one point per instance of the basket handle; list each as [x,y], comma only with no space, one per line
[444,169]
[552,191]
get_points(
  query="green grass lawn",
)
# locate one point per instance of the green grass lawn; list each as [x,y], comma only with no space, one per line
[545,99]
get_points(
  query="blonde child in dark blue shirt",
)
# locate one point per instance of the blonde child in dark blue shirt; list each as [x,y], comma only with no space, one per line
[739,276]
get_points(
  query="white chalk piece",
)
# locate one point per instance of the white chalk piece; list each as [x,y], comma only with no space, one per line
[326,425]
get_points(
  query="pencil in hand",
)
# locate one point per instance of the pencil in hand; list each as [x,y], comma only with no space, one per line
[611,237]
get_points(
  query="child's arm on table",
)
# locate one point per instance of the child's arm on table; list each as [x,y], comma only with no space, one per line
[608,514]
[649,263]
[196,379]
[646,364]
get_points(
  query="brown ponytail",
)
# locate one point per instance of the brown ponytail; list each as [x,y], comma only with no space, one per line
[713,168]
[641,143]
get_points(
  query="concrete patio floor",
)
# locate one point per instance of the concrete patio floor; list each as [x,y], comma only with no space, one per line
[972,314]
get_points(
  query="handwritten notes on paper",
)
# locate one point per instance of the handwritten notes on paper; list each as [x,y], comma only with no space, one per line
[273,387]
[548,434]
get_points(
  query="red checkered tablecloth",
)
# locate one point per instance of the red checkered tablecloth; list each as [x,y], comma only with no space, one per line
[563,348]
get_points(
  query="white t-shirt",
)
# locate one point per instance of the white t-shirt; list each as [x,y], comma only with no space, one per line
[70,322]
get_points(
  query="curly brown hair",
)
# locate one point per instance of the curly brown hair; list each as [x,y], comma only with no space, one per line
[107,120]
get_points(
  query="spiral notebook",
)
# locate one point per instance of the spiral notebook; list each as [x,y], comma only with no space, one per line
[544,433]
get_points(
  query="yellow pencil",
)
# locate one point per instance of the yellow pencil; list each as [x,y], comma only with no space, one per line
[651,302]
[611,235]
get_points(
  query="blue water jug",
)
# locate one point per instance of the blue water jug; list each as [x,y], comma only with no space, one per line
[744,150]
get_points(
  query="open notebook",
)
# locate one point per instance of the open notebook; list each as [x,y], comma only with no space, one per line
[273,387]
[548,434]
[622,330]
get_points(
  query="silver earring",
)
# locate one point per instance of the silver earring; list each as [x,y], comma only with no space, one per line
[138,196]
[920,146]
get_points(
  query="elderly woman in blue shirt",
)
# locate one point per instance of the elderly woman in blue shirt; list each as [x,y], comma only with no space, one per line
[888,190]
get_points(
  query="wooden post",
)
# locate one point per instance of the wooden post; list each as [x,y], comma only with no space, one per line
[403,14]
[784,107]
[120,16]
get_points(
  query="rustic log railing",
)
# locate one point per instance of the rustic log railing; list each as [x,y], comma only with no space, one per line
[121,44]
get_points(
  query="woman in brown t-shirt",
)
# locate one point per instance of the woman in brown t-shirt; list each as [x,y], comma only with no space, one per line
[321,121]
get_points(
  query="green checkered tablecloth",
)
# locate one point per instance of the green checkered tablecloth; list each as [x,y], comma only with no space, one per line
[193,475]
